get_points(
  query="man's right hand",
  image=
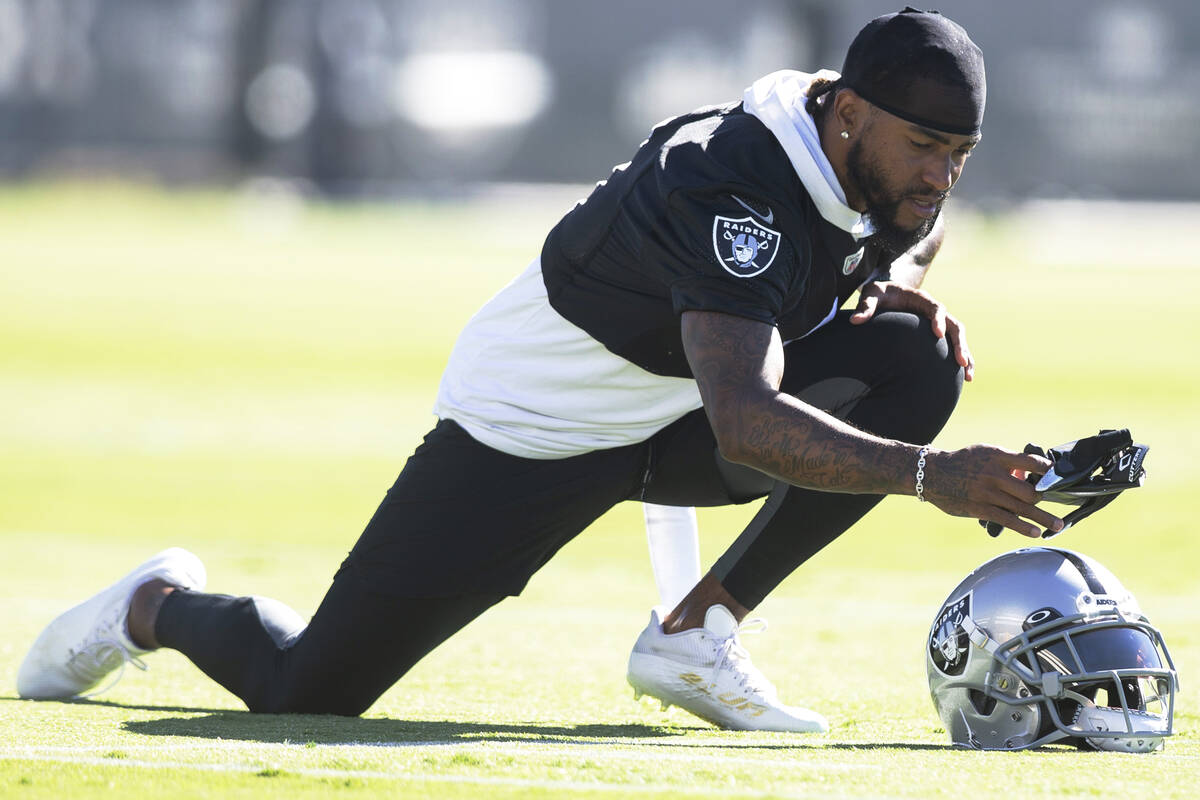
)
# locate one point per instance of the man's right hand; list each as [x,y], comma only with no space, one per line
[983,482]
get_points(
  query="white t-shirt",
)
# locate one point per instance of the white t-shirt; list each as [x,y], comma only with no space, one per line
[525,381]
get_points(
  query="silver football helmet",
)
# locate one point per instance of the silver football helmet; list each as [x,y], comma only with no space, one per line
[1044,645]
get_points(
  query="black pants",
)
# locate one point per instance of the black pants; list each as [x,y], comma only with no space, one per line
[465,525]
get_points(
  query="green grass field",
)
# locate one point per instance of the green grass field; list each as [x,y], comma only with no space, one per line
[245,377]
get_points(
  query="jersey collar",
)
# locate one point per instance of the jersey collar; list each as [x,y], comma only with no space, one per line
[777,100]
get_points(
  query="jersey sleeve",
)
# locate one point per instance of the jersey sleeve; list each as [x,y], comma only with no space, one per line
[730,255]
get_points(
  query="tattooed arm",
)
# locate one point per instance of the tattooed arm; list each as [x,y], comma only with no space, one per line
[909,268]
[738,364]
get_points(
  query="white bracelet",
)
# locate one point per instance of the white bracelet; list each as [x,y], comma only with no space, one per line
[921,472]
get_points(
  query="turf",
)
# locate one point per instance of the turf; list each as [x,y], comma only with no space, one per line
[243,375]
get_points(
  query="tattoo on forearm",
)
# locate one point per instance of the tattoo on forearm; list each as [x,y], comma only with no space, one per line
[922,255]
[910,267]
[737,364]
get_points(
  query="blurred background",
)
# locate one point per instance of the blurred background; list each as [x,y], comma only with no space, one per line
[238,239]
[1093,99]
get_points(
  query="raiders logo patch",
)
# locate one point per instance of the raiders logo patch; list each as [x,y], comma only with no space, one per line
[853,260]
[744,247]
[948,641]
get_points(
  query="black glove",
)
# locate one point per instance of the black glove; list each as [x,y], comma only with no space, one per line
[1088,473]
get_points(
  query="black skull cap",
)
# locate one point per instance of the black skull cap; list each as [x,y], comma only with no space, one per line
[921,67]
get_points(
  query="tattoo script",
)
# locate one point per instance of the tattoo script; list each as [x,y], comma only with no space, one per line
[738,365]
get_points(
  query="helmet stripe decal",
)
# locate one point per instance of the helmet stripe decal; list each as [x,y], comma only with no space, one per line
[1093,580]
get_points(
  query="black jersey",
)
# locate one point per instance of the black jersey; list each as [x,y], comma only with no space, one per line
[732,209]
[708,216]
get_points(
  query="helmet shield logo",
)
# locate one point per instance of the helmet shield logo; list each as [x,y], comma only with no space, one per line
[948,641]
[744,247]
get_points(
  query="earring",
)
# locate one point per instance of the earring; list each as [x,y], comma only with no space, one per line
[845,134]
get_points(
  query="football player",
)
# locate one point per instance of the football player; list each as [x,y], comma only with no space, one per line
[678,341]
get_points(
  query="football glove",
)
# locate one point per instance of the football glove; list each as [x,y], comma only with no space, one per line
[1088,473]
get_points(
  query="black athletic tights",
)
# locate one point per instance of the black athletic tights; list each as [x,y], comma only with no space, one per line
[465,525]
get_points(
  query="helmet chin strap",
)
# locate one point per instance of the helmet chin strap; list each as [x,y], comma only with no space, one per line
[1089,473]
[1093,719]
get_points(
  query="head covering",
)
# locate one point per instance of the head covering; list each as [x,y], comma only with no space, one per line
[921,67]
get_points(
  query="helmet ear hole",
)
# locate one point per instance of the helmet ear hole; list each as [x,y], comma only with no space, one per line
[984,705]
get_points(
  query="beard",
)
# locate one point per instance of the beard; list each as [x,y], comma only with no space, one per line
[883,203]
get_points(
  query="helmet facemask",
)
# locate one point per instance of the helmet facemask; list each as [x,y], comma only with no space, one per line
[1101,680]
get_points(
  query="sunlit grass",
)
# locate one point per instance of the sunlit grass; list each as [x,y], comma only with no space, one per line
[245,377]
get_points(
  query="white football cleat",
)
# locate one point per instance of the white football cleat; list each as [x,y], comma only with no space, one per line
[707,672]
[83,645]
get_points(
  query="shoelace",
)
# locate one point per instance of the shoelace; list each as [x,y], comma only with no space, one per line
[95,660]
[730,650]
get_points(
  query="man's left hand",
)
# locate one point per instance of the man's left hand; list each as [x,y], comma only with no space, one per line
[890,296]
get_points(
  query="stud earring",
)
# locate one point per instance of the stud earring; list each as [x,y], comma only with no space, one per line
[845,134]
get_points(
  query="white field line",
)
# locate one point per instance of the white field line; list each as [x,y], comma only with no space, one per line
[302,744]
[508,748]
[534,748]
[310,772]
